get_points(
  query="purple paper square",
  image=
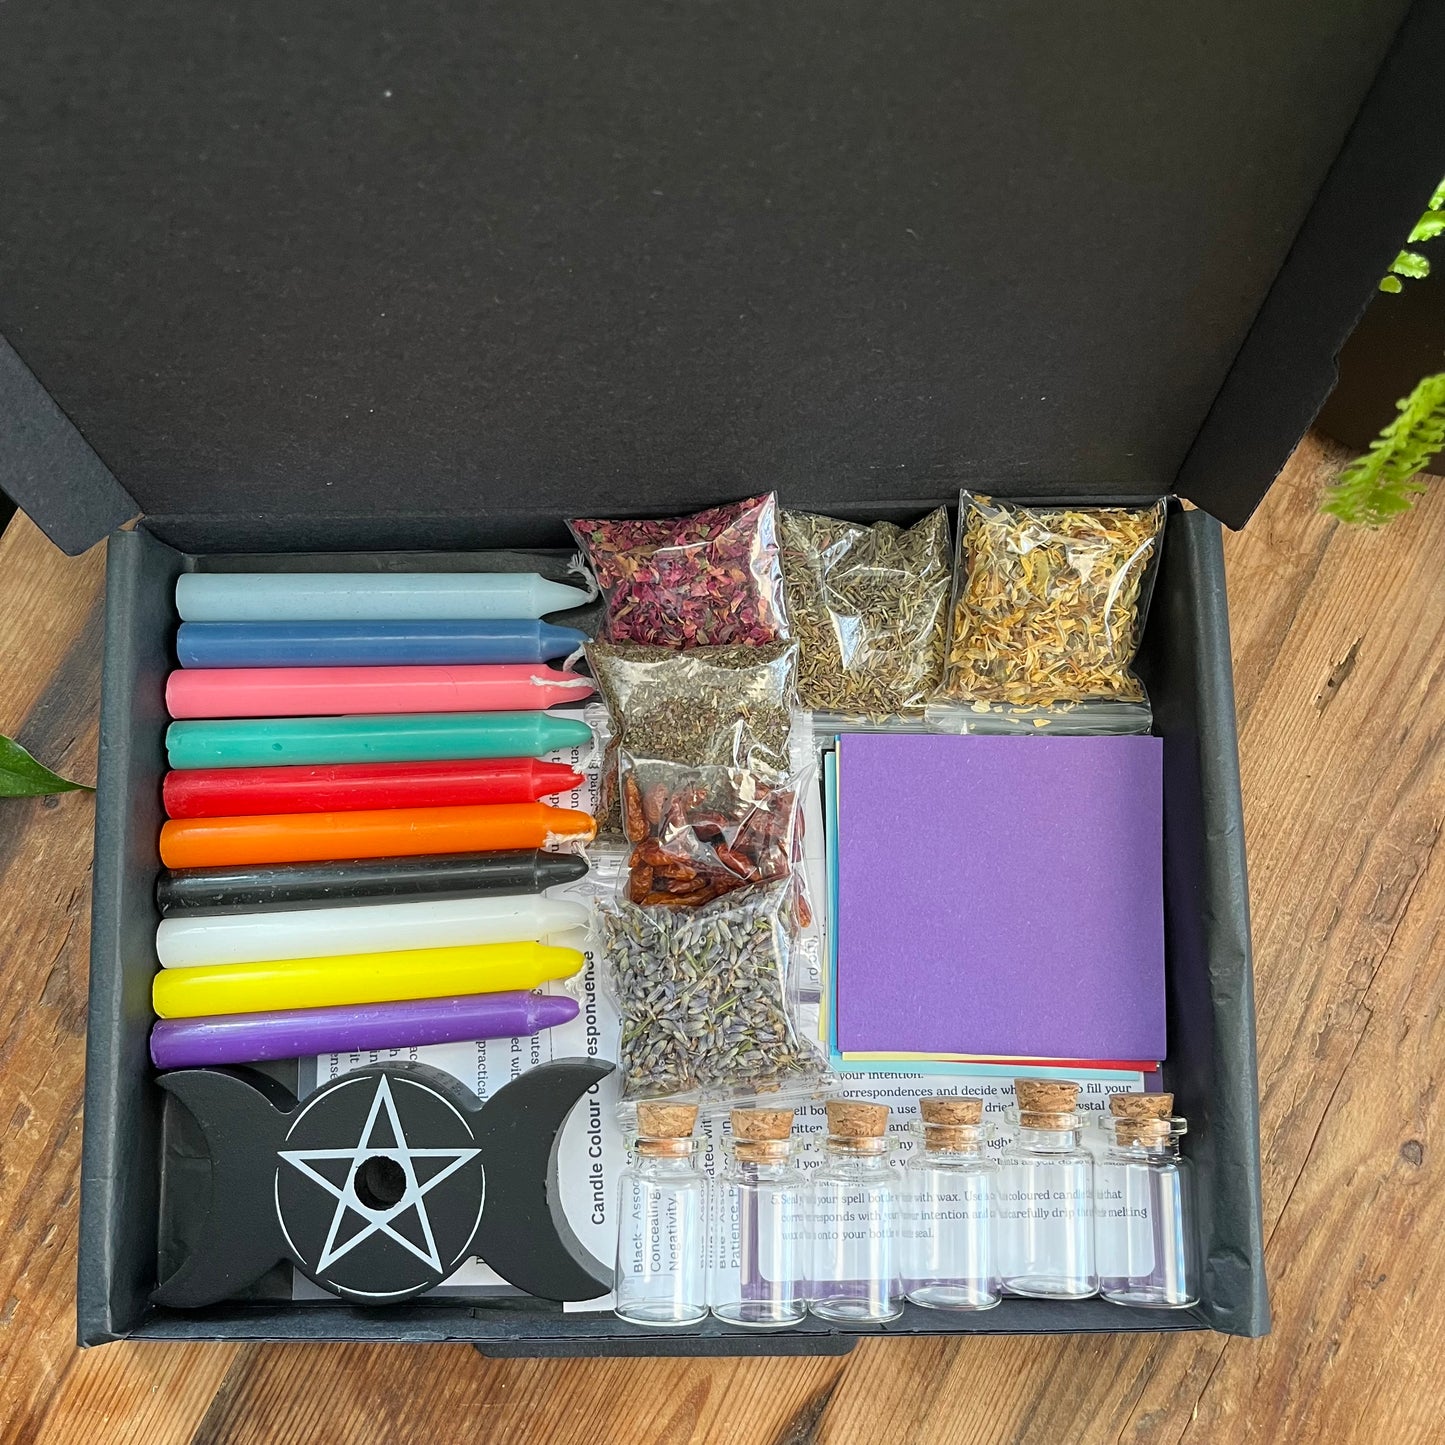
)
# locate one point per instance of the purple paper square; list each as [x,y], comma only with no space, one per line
[1001,895]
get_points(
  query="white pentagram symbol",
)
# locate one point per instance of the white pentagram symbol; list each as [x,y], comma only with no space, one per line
[379,1220]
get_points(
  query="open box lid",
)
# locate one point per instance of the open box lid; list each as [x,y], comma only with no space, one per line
[324,275]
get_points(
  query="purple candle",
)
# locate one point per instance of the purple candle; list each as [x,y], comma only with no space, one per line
[293,1033]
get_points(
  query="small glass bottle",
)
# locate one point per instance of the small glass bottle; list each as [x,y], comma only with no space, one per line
[760,1201]
[1046,1197]
[855,1276]
[948,1250]
[661,1274]
[1144,1228]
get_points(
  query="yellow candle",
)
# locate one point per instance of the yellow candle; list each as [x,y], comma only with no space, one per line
[359,978]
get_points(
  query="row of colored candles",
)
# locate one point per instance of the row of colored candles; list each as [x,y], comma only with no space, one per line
[356,846]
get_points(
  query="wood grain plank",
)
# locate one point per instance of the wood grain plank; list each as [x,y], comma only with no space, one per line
[1349,890]
[1272,563]
[49,600]
[49,689]
[369,1393]
[1345,803]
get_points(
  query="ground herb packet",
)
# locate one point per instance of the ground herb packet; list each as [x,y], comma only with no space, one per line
[718,706]
[1049,604]
[703,996]
[868,606]
[706,580]
[708,706]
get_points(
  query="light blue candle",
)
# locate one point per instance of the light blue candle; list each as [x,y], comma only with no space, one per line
[369,597]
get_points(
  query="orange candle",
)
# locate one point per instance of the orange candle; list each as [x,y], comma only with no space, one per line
[375,833]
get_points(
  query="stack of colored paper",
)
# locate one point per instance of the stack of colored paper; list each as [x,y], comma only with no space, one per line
[997,901]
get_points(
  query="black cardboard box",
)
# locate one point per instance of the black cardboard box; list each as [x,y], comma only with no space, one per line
[349,281]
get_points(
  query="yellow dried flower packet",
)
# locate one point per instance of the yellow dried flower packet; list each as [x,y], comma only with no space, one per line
[1049,603]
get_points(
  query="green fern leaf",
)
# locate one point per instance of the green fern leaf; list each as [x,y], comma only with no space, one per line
[1411,264]
[1430,225]
[1384,482]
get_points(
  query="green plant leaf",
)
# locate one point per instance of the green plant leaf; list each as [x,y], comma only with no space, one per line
[1430,225]
[22,777]
[1391,284]
[1383,483]
[1411,264]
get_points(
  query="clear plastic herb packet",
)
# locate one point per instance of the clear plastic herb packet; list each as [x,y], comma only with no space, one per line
[698,833]
[708,706]
[868,607]
[1049,607]
[711,706]
[705,999]
[711,579]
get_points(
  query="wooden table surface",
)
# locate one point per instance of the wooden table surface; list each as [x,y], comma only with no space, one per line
[1339,639]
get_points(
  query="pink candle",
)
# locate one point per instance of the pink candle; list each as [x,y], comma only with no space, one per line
[226,692]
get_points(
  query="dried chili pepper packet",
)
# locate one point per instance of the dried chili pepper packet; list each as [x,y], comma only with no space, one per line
[707,580]
[1049,607]
[700,833]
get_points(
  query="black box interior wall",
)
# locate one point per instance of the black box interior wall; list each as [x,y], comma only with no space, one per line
[1211,1022]
[320,277]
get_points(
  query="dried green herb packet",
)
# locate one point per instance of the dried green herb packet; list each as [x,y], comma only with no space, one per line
[707,707]
[728,707]
[868,607]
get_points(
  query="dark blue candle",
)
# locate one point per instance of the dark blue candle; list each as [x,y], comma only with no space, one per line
[371,644]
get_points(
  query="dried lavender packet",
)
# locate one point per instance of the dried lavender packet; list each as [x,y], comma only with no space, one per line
[704,996]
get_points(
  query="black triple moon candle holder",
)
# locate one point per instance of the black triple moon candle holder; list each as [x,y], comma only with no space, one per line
[382,1182]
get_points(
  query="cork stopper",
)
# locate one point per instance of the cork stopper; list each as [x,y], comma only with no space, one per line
[665,1129]
[762,1123]
[855,1119]
[1141,1118]
[967,1109]
[951,1123]
[1046,1103]
[1141,1106]
[762,1134]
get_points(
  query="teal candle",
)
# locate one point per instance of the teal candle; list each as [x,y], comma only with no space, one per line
[399,738]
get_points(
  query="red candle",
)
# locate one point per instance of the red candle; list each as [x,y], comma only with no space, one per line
[346,787]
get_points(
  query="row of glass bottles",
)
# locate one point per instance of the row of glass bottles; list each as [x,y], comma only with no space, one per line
[957,1230]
